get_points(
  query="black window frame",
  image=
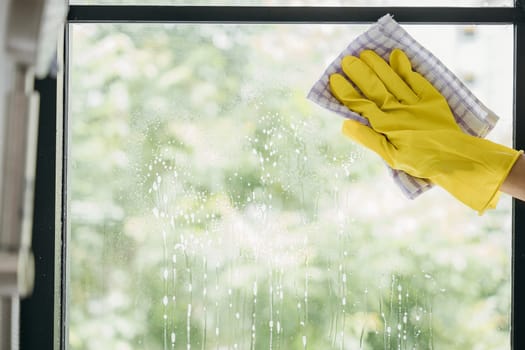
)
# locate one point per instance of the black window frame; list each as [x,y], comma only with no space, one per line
[43,318]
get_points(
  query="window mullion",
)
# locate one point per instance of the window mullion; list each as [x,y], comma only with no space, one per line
[518,287]
[287,14]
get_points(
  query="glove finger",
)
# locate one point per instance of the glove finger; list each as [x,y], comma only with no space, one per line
[389,77]
[402,66]
[366,80]
[372,140]
[345,93]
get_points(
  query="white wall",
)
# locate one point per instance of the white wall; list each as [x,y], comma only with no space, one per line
[5,78]
[6,70]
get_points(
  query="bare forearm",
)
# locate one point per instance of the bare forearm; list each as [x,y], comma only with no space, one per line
[514,184]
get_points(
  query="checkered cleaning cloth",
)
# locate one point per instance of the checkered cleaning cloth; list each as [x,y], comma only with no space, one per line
[382,37]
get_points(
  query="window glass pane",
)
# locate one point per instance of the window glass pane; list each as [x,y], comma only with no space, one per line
[213,207]
[458,3]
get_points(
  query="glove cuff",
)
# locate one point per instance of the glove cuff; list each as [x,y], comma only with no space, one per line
[481,167]
[493,201]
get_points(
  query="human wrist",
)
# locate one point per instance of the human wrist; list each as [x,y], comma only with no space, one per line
[514,183]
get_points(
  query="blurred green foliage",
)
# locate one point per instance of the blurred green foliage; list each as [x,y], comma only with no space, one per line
[214,207]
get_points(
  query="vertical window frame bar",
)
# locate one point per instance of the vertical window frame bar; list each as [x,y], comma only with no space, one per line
[518,207]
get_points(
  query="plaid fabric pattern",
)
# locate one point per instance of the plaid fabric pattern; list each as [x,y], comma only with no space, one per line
[385,35]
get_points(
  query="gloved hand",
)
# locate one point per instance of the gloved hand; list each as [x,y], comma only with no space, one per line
[413,129]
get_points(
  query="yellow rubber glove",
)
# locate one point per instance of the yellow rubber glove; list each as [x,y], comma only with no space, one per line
[413,129]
